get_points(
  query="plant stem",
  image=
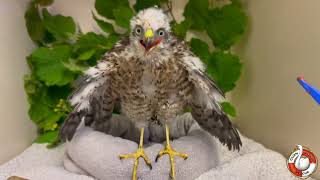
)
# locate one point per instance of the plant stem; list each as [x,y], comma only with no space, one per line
[169,5]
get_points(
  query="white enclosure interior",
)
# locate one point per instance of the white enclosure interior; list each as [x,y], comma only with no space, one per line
[282,43]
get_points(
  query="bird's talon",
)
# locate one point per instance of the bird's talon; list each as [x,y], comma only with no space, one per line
[138,154]
[168,150]
[172,153]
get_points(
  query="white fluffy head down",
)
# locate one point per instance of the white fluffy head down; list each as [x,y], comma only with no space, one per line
[150,35]
[152,17]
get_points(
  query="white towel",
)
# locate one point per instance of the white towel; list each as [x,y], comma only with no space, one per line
[90,152]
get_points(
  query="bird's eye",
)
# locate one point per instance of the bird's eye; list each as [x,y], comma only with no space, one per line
[161,32]
[138,30]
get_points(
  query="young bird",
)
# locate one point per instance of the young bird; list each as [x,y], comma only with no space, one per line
[154,77]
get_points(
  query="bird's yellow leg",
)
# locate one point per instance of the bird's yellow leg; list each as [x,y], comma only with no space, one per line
[172,153]
[138,154]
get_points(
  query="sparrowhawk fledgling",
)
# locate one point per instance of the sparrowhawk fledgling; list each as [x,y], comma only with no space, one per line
[153,77]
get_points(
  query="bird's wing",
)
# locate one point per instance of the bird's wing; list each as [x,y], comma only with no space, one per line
[205,101]
[93,99]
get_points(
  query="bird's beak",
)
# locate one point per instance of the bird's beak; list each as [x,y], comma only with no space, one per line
[149,33]
[148,42]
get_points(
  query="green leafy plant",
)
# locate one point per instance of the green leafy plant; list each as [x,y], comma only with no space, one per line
[64,52]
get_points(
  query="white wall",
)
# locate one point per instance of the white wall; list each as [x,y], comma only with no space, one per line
[283,42]
[16,130]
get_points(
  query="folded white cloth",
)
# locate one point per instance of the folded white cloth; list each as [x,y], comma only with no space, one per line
[95,153]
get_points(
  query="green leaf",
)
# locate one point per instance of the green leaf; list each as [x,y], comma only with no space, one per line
[39,111]
[201,49]
[73,66]
[31,85]
[229,109]
[50,123]
[41,107]
[44,2]
[143,4]
[34,24]
[196,12]
[98,42]
[49,67]
[225,69]
[106,7]
[106,27]
[59,92]
[61,27]
[48,137]
[90,40]
[226,25]
[237,3]
[86,55]
[122,16]
[112,39]
[181,29]
[42,102]
[94,42]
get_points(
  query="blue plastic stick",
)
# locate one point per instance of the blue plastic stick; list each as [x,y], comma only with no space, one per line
[315,93]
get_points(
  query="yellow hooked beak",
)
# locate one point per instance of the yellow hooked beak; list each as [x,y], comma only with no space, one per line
[148,42]
[148,33]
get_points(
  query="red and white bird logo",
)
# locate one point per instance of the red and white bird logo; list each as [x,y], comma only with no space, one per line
[302,162]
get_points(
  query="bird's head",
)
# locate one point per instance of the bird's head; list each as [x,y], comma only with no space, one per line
[150,31]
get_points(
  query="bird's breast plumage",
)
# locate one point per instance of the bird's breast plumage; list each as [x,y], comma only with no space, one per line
[151,93]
